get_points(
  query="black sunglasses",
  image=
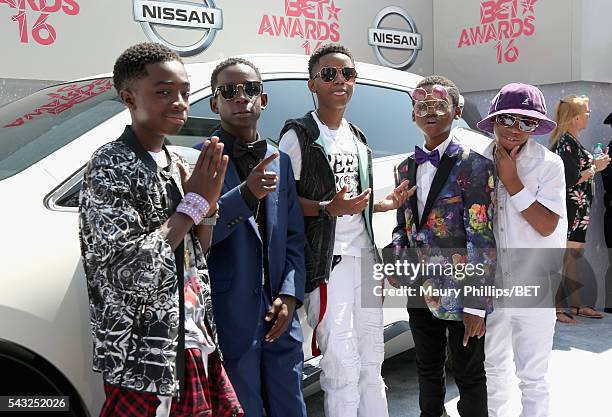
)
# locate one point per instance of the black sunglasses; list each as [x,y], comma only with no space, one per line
[525,125]
[229,91]
[329,74]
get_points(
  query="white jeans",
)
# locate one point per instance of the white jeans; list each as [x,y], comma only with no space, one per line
[352,343]
[524,335]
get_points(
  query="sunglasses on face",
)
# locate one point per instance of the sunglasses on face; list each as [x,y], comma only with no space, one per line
[440,107]
[329,74]
[250,88]
[524,125]
[437,92]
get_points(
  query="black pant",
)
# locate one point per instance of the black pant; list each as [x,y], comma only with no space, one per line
[429,335]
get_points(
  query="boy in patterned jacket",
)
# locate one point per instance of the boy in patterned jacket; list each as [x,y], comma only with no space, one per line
[145,225]
[449,221]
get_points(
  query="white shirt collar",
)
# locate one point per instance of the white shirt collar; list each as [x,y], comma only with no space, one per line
[441,148]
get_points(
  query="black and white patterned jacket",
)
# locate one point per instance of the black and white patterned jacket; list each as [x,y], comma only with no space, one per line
[136,300]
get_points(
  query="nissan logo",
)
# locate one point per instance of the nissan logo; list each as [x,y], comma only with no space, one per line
[180,14]
[394,38]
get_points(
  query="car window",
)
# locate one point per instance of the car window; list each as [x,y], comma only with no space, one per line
[384,115]
[286,99]
[41,123]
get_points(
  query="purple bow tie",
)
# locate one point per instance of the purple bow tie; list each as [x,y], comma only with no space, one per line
[421,156]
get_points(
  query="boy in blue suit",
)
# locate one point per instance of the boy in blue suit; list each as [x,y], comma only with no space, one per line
[257,254]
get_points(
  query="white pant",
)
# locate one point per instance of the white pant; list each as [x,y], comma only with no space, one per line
[524,335]
[352,343]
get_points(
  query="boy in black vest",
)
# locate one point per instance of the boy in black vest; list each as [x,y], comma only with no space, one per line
[333,169]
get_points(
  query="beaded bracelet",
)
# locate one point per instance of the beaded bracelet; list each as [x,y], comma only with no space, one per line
[194,206]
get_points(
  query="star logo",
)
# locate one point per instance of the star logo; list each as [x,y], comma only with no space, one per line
[11,3]
[528,6]
[333,11]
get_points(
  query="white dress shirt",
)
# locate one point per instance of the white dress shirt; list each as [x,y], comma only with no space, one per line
[543,176]
[425,174]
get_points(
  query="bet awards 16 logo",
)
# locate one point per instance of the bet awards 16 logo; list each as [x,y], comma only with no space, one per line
[41,30]
[503,22]
[314,21]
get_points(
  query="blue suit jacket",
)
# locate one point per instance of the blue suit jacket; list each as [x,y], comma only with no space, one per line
[236,259]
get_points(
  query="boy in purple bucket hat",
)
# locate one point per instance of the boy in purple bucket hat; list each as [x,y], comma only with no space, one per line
[530,202]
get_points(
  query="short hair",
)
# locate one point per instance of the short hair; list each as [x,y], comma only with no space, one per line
[132,63]
[452,89]
[214,77]
[330,48]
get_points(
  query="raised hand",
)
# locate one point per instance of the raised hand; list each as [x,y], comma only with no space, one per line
[602,161]
[506,165]
[396,198]
[208,173]
[262,182]
[342,205]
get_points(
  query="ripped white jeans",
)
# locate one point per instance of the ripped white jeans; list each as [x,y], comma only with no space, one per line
[352,343]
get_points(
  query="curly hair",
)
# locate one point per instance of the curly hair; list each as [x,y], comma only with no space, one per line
[330,48]
[132,63]
[214,77]
[432,80]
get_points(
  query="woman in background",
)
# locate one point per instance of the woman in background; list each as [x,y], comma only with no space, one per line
[572,117]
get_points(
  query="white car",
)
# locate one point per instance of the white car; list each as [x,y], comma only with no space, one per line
[45,141]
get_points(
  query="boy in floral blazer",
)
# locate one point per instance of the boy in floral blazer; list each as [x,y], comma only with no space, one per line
[448,221]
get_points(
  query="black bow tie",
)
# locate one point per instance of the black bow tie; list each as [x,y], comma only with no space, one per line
[256,149]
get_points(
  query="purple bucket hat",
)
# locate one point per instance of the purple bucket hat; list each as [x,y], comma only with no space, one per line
[517,98]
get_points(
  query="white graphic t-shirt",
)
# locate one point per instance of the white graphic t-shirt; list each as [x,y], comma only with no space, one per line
[351,235]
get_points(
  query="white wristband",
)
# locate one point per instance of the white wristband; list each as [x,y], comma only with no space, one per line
[475,311]
[523,199]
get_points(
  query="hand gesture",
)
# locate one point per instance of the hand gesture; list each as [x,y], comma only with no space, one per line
[396,198]
[506,164]
[208,173]
[474,327]
[586,175]
[341,204]
[262,182]
[281,313]
[602,161]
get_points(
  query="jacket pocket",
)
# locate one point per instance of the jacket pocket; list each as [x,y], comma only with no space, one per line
[450,200]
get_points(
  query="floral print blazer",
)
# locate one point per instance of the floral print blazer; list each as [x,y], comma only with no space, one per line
[456,228]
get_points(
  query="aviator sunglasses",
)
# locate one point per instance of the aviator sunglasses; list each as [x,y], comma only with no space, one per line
[439,104]
[524,125]
[229,91]
[329,74]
